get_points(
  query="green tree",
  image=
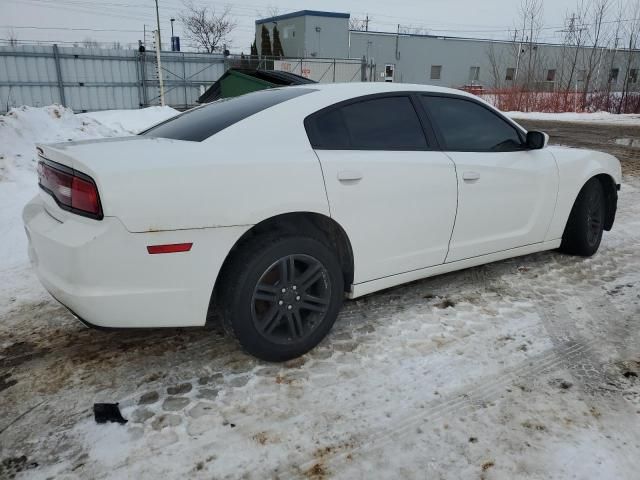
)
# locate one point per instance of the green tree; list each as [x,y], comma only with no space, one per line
[265,47]
[254,49]
[277,45]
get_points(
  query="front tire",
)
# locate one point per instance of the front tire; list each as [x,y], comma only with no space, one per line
[583,232]
[281,295]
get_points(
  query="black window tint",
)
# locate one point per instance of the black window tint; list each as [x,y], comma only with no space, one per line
[330,130]
[467,126]
[200,123]
[389,123]
[384,123]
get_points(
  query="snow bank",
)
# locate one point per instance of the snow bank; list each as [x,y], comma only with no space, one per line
[597,117]
[21,128]
[130,121]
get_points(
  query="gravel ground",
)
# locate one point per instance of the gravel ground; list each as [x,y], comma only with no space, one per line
[524,368]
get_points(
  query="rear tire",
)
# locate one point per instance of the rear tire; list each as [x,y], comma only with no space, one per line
[583,232]
[280,295]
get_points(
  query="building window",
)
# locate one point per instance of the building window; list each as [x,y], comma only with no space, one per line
[436,72]
[582,75]
[633,75]
[511,73]
[551,75]
[474,74]
[613,75]
[389,70]
[289,32]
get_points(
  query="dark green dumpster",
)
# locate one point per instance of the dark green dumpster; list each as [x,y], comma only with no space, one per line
[237,81]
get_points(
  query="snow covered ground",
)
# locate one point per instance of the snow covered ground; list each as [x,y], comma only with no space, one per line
[526,368]
[597,117]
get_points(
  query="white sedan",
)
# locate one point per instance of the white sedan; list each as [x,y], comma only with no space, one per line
[268,209]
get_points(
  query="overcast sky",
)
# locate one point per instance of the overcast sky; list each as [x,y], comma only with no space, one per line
[123,20]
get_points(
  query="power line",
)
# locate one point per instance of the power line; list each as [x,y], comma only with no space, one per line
[33,27]
[121,7]
[144,13]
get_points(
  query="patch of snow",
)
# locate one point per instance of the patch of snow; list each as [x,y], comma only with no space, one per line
[22,127]
[131,121]
[597,117]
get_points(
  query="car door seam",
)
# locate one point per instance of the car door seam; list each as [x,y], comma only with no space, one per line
[555,205]
[455,217]
[324,181]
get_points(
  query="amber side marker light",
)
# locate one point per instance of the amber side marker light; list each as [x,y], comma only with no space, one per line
[171,248]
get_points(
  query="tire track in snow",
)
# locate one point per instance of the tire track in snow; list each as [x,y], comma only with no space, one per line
[464,401]
[569,351]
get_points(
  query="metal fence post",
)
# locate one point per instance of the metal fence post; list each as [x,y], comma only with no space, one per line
[143,63]
[334,70]
[56,59]
[139,79]
[184,79]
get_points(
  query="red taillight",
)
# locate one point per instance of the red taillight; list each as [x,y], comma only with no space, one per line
[171,248]
[84,196]
[71,190]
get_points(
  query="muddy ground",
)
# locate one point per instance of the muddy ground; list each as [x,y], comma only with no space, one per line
[614,139]
[526,368]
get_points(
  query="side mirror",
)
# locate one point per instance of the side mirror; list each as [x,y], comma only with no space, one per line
[537,140]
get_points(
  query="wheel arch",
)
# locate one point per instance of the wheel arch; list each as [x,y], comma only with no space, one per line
[611,196]
[312,224]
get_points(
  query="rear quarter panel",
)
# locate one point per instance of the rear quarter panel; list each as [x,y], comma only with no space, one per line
[258,168]
[576,167]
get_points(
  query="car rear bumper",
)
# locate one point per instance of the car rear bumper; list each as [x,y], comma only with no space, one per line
[106,277]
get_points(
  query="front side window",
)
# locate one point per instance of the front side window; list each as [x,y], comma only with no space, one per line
[201,123]
[469,127]
[388,123]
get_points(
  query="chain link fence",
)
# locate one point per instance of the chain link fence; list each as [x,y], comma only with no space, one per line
[90,79]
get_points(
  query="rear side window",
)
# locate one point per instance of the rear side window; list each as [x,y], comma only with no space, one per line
[466,126]
[388,123]
[200,123]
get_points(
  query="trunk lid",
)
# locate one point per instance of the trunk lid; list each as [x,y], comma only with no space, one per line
[128,173]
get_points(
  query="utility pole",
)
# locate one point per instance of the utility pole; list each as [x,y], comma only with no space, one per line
[158,21]
[159,68]
[366,23]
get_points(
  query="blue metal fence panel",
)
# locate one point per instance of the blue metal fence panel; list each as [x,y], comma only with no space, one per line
[89,79]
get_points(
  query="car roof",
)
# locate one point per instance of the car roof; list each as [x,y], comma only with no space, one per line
[370,88]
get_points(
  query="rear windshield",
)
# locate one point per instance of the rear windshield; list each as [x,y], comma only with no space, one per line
[200,123]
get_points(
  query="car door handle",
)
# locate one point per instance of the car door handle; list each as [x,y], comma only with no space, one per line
[470,176]
[349,176]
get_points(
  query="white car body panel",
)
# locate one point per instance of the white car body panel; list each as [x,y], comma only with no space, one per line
[366,288]
[399,214]
[104,274]
[575,168]
[153,184]
[399,218]
[506,201]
